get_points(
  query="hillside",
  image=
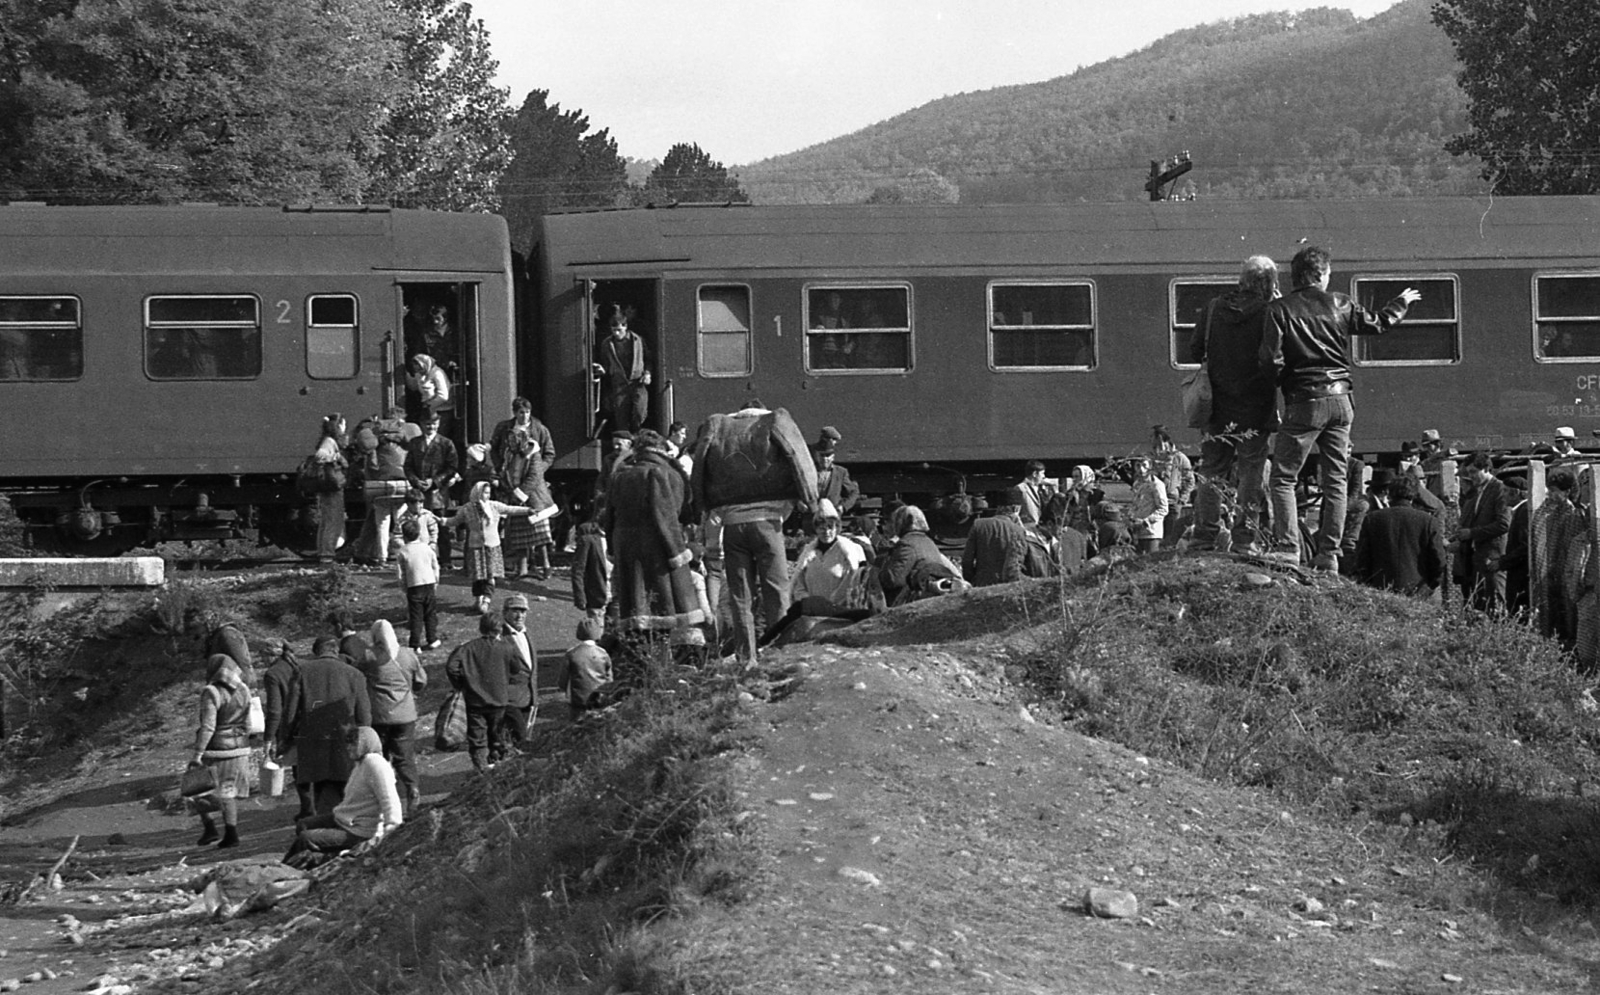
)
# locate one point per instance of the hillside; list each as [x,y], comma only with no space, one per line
[1306,786]
[1314,104]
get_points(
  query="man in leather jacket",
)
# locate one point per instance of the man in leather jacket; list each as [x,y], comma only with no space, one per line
[1306,342]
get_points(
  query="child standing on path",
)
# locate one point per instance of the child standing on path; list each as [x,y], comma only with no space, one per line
[419,575]
[588,670]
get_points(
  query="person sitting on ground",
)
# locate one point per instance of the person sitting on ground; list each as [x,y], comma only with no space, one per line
[914,567]
[587,677]
[370,810]
[824,577]
[222,743]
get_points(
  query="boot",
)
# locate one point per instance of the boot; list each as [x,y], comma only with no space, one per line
[230,837]
[209,833]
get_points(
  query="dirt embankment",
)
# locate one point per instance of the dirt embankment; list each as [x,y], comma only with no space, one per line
[925,815]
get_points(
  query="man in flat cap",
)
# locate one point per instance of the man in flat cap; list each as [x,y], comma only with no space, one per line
[522,701]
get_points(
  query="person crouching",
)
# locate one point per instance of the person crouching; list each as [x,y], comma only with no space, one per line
[370,809]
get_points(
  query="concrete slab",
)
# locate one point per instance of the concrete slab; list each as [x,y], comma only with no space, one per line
[121,571]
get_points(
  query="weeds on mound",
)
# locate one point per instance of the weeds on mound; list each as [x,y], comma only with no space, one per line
[1343,698]
[564,870]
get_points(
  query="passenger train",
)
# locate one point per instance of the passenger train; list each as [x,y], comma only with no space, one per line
[163,369]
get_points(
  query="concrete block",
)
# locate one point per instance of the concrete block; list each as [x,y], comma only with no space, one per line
[121,571]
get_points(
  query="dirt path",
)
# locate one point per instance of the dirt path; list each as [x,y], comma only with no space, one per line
[135,855]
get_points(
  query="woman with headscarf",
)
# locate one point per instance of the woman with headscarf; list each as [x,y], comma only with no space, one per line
[913,566]
[522,463]
[485,562]
[394,677]
[330,503]
[432,387]
[222,743]
[370,809]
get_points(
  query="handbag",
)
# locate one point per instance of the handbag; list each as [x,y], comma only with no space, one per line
[1197,386]
[197,780]
[1197,398]
[450,725]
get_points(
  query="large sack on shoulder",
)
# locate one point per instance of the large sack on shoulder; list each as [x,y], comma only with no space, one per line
[752,456]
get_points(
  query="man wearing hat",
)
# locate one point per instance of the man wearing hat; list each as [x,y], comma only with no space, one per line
[1565,445]
[521,700]
[1401,547]
[997,545]
[833,481]
[1439,469]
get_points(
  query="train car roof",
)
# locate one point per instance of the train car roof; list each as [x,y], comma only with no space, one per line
[193,239]
[1175,235]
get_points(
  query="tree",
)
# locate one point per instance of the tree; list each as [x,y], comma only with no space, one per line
[105,101]
[688,174]
[446,138]
[1530,72]
[921,186]
[556,165]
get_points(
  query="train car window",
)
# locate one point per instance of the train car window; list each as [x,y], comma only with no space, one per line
[332,343]
[1188,299]
[41,338]
[202,337]
[724,326]
[1036,325]
[1430,335]
[858,329]
[1566,317]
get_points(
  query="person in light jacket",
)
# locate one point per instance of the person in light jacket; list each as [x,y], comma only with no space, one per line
[1148,513]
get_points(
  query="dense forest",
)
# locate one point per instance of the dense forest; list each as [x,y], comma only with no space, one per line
[1310,104]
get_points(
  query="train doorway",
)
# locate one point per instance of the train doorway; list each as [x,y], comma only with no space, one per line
[441,322]
[640,303]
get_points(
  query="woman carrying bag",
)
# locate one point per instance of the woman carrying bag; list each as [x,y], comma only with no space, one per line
[222,746]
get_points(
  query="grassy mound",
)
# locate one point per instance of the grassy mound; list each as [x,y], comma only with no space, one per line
[545,874]
[1330,694]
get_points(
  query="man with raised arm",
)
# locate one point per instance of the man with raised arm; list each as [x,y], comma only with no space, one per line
[1305,342]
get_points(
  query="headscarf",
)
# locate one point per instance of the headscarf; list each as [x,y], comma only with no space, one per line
[909,518]
[424,364]
[385,644]
[478,497]
[367,742]
[1083,474]
[224,673]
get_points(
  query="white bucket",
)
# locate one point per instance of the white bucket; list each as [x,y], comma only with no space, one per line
[271,779]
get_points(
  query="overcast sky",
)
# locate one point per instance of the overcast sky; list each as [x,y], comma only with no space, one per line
[748,79]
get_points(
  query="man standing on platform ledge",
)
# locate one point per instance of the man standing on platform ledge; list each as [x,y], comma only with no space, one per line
[1306,342]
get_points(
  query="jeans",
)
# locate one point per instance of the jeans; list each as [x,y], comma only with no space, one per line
[753,555]
[1323,424]
[422,614]
[1232,460]
[323,834]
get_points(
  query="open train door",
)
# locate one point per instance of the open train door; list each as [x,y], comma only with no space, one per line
[640,299]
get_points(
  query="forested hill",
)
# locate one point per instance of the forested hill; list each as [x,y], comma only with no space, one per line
[1312,104]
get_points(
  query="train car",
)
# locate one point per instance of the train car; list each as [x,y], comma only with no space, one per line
[966,339]
[163,370]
